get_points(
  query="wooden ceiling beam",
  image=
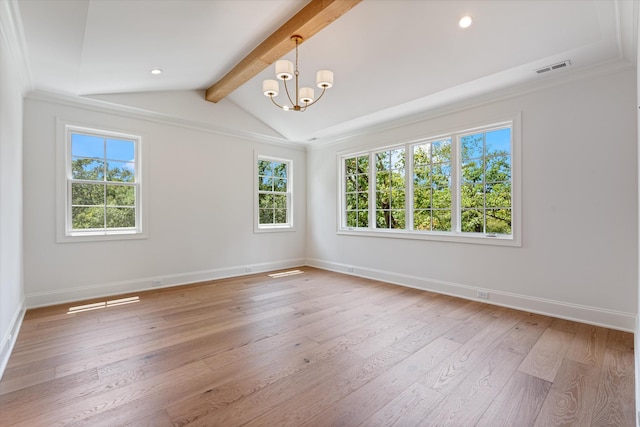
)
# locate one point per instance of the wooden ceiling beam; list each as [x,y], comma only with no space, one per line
[312,18]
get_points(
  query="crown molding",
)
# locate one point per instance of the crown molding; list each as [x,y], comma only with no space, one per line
[151,116]
[12,34]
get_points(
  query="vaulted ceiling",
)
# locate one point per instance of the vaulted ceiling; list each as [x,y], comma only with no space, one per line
[390,57]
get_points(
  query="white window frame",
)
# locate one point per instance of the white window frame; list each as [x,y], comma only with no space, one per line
[455,235]
[65,233]
[270,228]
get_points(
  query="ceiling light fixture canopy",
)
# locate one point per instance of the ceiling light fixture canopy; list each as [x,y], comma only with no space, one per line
[285,70]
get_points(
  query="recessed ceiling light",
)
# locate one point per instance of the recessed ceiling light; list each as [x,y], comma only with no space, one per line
[465,21]
[156,71]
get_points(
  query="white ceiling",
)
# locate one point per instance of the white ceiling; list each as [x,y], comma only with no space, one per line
[390,57]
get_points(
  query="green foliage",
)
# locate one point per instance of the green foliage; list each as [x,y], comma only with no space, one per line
[432,186]
[90,169]
[390,189]
[121,217]
[357,191]
[105,203]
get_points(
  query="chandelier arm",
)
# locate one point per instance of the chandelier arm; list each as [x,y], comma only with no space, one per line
[276,104]
[324,89]
[286,89]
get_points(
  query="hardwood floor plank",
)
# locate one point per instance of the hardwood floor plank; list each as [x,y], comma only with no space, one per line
[425,335]
[196,332]
[547,354]
[25,398]
[313,401]
[219,386]
[571,400]
[357,319]
[451,372]
[389,334]
[231,345]
[79,410]
[526,333]
[469,309]
[428,309]
[620,341]
[518,403]
[26,379]
[564,325]
[315,348]
[356,407]
[467,405]
[271,295]
[614,400]
[588,345]
[473,324]
[57,344]
[159,419]
[409,408]
[258,403]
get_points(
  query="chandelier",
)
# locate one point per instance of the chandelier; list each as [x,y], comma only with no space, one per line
[285,71]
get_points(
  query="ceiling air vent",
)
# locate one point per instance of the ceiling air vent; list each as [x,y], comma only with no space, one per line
[557,66]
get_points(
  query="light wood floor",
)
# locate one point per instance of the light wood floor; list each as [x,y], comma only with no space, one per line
[312,349]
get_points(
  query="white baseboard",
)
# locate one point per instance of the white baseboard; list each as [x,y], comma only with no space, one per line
[10,337]
[580,313]
[41,299]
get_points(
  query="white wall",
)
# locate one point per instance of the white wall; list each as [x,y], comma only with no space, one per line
[200,210]
[11,281]
[579,257]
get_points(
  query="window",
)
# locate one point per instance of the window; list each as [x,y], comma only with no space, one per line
[432,185]
[273,185]
[357,191]
[390,189]
[102,185]
[458,186]
[486,182]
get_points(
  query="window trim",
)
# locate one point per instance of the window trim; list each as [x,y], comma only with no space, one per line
[515,239]
[272,228]
[64,232]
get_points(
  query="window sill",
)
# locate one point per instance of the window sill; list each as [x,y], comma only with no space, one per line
[94,236]
[273,229]
[480,239]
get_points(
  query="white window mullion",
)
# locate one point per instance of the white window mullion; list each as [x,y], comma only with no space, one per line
[69,207]
[456,169]
[408,198]
[104,208]
[372,191]
[105,168]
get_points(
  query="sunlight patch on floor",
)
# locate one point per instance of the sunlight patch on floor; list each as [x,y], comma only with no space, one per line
[103,304]
[285,273]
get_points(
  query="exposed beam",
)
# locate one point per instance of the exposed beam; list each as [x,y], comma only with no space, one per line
[312,18]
